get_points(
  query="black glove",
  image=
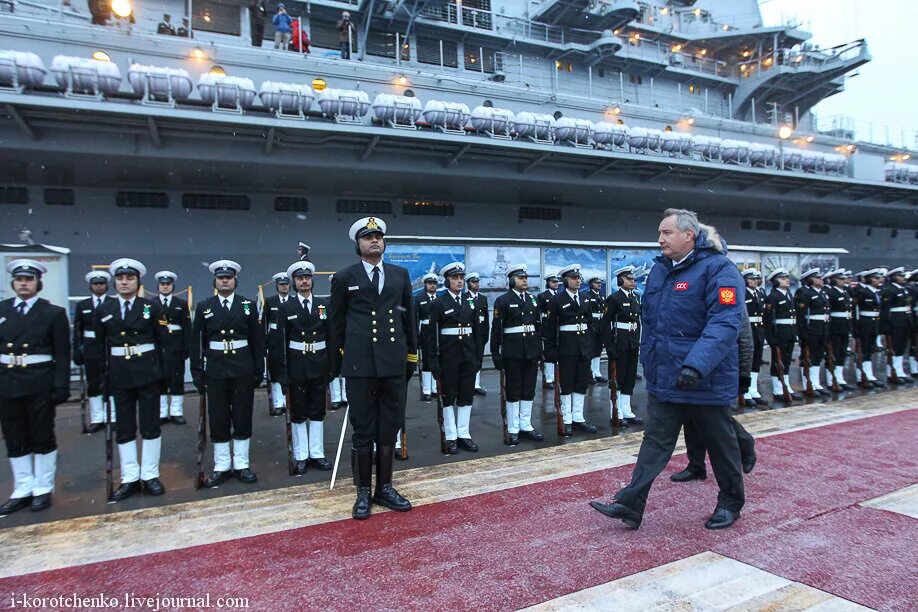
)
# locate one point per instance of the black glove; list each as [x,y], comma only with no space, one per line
[688,378]
[410,367]
[60,395]
[744,383]
[257,379]
[197,378]
[78,358]
[551,355]
[498,361]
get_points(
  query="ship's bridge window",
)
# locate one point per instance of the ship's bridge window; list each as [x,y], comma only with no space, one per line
[635,79]
[14,195]
[437,52]
[370,207]
[212,16]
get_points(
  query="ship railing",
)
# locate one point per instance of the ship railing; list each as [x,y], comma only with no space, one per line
[460,15]
[523,28]
[803,58]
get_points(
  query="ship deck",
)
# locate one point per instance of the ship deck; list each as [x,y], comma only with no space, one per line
[830,521]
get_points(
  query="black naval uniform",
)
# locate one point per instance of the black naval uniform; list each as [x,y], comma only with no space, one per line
[34,378]
[755,309]
[571,343]
[813,327]
[593,303]
[422,305]
[867,327]
[483,324]
[913,290]
[622,337]
[839,325]
[896,324]
[516,345]
[454,346]
[89,352]
[304,328]
[177,345]
[544,300]
[780,329]
[227,357]
[275,346]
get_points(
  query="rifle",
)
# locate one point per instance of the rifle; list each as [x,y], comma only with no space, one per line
[328,402]
[331,485]
[559,417]
[202,440]
[805,359]
[443,448]
[403,451]
[779,366]
[503,408]
[83,426]
[830,366]
[109,450]
[891,375]
[613,390]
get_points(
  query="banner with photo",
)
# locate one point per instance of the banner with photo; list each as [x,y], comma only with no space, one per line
[773,261]
[492,262]
[592,263]
[825,263]
[746,259]
[420,259]
[641,259]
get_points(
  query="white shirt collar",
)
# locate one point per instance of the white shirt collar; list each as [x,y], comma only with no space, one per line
[121,301]
[230,297]
[676,263]
[304,301]
[29,302]
[165,299]
[518,293]
[474,295]
[369,267]
[456,296]
[573,294]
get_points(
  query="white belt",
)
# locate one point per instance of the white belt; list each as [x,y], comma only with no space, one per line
[841,315]
[272,325]
[24,360]
[89,334]
[822,318]
[425,321]
[307,347]
[597,315]
[576,327]
[227,345]
[129,351]
[520,329]
[899,309]
[785,322]
[455,331]
[174,327]
[869,313]
[755,319]
[626,326]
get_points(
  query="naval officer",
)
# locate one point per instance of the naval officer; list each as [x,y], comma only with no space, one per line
[89,351]
[178,324]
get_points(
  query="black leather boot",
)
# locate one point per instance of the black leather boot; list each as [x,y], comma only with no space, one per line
[385,494]
[363,475]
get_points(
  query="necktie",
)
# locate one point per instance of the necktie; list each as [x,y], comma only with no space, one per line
[375,281]
[127,309]
[226,304]
[21,308]
[98,302]
[307,305]
[166,303]
[577,299]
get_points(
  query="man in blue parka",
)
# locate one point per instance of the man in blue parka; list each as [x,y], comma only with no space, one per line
[693,310]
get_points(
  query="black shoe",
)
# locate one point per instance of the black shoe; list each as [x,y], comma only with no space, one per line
[548,385]
[824,392]
[301,467]
[865,385]
[163,420]
[398,455]
[895,380]
[721,519]
[94,427]
[845,387]
[513,439]
[335,406]
[796,396]
[321,463]
[178,420]
[635,420]
[584,426]
[153,486]
[344,404]
[534,435]
[467,444]
[878,384]
[568,430]
[246,475]
[15,503]
[361,509]
[600,379]
[276,412]
[40,502]
[629,517]
[125,490]
[748,464]
[452,448]
[216,479]
[759,401]
[425,397]
[388,497]
[688,474]
[480,391]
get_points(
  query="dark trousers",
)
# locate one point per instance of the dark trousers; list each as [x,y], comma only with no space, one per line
[899,340]
[815,343]
[597,341]
[377,409]
[345,53]
[458,382]
[258,33]
[307,400]
[229,407]
[758,347]
[787,354]
[93,369]
[174,380]
[626,364]
[28,424]
[839,347]
[664,421]
[520,379]
[275,367]
[574,374]
[137,404]
[696,450]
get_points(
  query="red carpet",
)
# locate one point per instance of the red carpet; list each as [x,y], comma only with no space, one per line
[521,546]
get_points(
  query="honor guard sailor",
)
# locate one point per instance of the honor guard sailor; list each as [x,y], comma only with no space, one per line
[516,348]
[134,330]
[570,343]
[302,250]
[839,322]
[374,346]
[473,284]
[274,341]
[755,309]
[454,354]
[34,378]
[336,388]
[622,337]
[544,298]
[227,363]
[178,324]
[593,302]
[304,326]
[866,298]
[813,309]
[896,322]
[89,351]
[422,305]
[780,332]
